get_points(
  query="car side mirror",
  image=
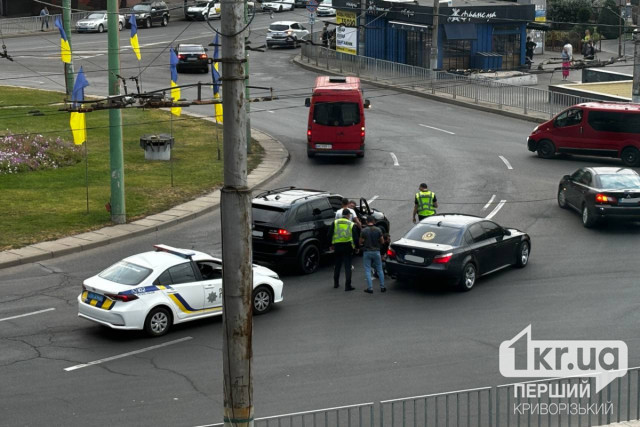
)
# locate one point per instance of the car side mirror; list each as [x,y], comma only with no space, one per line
[307,102]
[316,212]
[507,232]
[367,103]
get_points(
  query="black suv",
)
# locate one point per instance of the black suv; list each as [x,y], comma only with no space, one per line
[148,13]
[290,225]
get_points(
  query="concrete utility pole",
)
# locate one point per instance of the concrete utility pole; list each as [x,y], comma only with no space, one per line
[246,84]
[116,158]
[235,203]
[635,97]
[620,23]
[66,24]
[434,35]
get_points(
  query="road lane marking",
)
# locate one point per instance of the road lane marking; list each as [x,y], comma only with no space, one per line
[434,128]
[372,199]
[506,162]
[131,353]
[269,111]
[489,202]
[395,160]
[496,209]
[27,314]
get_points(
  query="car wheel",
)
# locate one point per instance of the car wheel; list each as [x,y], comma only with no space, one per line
[309,259]
[546,149]
[101,28]
[562,198]
[120,26]
[631,156]
[468,277]
[158,322]
[523,255]
[310,154]
[165,21]
[588,218]
[262,300]
[147,23]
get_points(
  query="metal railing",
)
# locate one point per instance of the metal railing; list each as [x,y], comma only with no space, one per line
[476,89]
[31,24]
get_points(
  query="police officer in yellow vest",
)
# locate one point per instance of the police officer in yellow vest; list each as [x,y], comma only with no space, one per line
[343,236]
[425,203]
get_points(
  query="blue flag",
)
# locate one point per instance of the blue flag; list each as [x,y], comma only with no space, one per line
[77,120]
[78,88]
[175,91]
[215,74]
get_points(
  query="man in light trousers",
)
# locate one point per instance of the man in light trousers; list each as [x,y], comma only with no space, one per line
[371,239]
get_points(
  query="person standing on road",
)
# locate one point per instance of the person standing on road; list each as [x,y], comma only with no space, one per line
[425,204]
[566,63]
[371,240]
[44,18]
[343,235]
[354,216]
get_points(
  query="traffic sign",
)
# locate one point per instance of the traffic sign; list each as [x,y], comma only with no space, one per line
[312,5]
[312,18]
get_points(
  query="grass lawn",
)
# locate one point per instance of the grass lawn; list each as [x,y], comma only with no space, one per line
[49,204]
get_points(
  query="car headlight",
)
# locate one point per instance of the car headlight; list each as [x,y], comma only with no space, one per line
[535,129]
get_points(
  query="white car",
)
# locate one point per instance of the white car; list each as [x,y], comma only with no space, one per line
[279,6]
[97,22]
[200,9]
[155,290]
[326,9]
[286,33]
[214,12]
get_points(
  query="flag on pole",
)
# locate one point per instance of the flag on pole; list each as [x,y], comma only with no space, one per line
[215,74]
[77,121]
[134,36]
[65,49]
[175,91]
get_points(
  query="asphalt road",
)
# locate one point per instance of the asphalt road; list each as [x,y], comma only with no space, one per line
[321,347]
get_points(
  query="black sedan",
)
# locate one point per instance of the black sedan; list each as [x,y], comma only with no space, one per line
[601,192]
[458,248]
[192,57]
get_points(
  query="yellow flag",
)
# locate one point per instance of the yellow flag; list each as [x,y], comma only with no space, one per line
[218,110]
[175,95]
[78,127]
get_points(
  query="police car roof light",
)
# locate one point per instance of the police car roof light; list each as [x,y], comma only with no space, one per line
[174,251]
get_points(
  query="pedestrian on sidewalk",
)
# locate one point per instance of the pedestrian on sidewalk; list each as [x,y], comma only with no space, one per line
[44,18]
[425,204]
[343,235]
[569,49]
[325,35]
[371,241]
[565,63]
[529,48]
[589,50]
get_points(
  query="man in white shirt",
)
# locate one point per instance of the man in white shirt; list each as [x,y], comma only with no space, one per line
[354,217]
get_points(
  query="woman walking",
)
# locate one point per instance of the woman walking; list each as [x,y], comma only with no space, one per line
[566,63]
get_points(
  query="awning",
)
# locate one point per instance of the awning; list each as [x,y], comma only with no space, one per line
[460,31]
[409,27]
[538,26]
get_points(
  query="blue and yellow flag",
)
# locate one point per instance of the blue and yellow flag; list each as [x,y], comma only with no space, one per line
[215,75]
[77,121]
[134,36]
[65,49]
[175,91]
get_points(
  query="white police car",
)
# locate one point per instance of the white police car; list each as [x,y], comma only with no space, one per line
[154,290]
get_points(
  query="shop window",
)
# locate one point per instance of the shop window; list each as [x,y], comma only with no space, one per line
[506,42]
[456,54]
[418,48]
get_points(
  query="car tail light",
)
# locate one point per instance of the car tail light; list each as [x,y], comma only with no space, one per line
[603,198]
[309,134]
[181,56]
[362,133]
[122,297]
[280,235]
[391,253]
[203,56]
[442,259]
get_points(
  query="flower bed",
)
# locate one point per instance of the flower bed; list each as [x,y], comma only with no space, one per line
[24,153]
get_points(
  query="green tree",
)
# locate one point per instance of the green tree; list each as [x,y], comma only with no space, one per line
[571,11]
[609,20]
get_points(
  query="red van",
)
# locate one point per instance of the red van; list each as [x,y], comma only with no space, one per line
[336,117]
[594,128]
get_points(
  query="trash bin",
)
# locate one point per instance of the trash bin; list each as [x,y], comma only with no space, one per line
[157,147]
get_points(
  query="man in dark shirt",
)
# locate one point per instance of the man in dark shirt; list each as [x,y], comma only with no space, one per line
[371,239]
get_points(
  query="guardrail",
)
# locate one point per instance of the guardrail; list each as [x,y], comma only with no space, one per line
[31,24]
[475,88]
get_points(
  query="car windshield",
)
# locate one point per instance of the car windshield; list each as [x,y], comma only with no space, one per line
[125,273]
[431,233]
[278,27]
[336,113]
[96,16]
[191,49]
[619,181]
[326,3]
[141,8]
[201,3]
[268,215]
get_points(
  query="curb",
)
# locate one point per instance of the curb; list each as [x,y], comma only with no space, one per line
[505,111]
[275,159]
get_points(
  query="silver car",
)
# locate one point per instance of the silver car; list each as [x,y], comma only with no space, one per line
[97,22]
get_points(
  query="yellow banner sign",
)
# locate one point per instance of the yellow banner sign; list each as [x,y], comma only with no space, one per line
[348,19]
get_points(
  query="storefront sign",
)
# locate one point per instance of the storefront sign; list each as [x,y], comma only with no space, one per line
[458,15]
[348,19]
[347,40]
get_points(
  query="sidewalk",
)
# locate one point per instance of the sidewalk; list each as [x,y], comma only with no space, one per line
[275,158]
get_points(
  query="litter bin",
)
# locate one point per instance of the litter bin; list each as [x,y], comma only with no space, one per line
[157,147]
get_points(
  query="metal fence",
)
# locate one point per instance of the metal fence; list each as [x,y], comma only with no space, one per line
[475,88]
[31,24]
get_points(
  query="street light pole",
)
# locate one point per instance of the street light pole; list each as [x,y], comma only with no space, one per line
[635,97]
[434,35]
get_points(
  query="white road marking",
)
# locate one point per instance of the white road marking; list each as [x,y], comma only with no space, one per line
[395,160]
[27,314]
[269,111]
[434,128]
[506,162]
[372,199]
[496,209]
[489,202]
[131,353]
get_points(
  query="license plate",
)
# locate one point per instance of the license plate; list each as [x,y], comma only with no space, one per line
[192,59]
[256,233]
[323,146]
[97,297]
[628,201]
[414,258]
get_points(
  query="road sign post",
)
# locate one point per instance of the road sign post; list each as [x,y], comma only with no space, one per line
[312,6]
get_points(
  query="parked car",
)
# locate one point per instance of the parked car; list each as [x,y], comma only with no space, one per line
[201,10]
[325,8]
[158,289]
[594,128]
[286,33]
[457,248]
[192,57]
[97,22]
[601,192]
[278,6]
[148,13]
[290,225]
[300,3]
